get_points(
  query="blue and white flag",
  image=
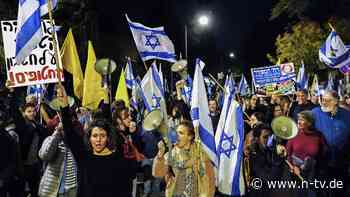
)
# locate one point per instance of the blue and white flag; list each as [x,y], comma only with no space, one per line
[302,78]
[229,139]
[330,82]
[129,75]
[200,63]
[161,75]
[200,116]
[315,89]
[152,92]
[186,91]
[37,90]
[243,87]
[210,87]
[152,43]
[333,52]
[29,26]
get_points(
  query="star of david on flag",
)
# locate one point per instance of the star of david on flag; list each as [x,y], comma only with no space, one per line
[226,145]
[152,43]
[229,138]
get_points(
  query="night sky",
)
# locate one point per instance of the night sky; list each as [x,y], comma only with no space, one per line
[242,27]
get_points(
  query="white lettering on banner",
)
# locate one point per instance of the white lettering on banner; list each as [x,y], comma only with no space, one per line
[39,67]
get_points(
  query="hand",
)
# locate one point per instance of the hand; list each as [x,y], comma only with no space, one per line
[180,83]
[64,98]
[59,129]
[9,85]
[161,149]
[281,150]
[296,170]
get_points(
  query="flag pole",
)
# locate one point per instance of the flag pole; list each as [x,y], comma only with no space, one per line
[198,157]
[330,25]
[217,83]
[55,46]
[186,37]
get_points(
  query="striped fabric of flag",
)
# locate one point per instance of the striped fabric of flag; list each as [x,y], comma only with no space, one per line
[229,144]
[200,115]
[29,26]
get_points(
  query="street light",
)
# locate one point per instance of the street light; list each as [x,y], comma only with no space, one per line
[203,20]
[232,55]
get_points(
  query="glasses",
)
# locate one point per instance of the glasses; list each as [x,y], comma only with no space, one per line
[326,100]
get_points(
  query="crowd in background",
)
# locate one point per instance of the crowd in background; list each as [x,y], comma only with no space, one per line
[76,152]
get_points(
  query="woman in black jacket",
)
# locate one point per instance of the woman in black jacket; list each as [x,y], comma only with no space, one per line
[103,171]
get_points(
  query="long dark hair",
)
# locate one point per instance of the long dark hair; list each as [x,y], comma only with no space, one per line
[102,124]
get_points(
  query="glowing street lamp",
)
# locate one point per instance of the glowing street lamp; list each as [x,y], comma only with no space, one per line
[203,20]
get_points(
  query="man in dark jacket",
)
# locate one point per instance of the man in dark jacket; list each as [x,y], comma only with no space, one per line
[302,104]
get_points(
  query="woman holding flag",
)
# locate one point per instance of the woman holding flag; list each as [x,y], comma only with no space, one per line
[182,164]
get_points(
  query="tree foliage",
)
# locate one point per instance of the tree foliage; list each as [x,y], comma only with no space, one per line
[303,41]
[290,7]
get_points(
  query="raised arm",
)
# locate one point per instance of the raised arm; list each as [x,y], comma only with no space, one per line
[72,136]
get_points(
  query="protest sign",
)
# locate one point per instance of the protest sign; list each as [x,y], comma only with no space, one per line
[39,67]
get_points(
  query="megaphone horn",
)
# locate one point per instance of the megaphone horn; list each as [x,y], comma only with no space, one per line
[56,104]
[154,120]
[105,66]
[284,127]
[180,67]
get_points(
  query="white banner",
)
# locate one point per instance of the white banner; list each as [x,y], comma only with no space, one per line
[39,67]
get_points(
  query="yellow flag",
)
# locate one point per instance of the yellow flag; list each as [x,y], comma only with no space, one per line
[93,92]
[122,91]
[71,63]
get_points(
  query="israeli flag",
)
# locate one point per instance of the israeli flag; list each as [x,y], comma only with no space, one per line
[129,75]
[333,52]
[315,89]
[330,83]
[38,90]
[345,69]
[152,43]
[302,78]
[29,26]
[229,146]
[210,86]
[161,75]
[186,91]
[152,91]
[243,87]
[200,63]
[200,116]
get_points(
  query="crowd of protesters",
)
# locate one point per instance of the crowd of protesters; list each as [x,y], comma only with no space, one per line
[75,152]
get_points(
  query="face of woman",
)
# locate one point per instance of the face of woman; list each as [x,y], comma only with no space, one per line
[98,139]
[126,118]
[303,124]
[183,136]
[277,111]
[253,120]
[253,100]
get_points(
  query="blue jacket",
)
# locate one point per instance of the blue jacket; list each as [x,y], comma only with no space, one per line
[336,130]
